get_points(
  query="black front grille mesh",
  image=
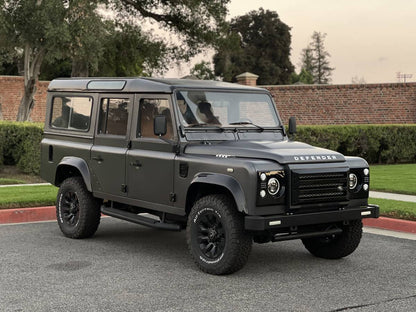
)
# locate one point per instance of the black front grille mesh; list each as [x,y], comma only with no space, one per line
[310,188]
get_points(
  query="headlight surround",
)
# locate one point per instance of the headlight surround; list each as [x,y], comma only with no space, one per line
[352,181]
[273,186]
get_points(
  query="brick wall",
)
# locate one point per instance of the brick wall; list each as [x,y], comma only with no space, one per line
[393,103]
[11,92]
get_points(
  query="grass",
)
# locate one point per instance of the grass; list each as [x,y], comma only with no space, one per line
[5,181]
[393,178]
[395,209]
[27,196]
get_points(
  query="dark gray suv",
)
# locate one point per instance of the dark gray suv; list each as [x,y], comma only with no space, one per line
[209,157]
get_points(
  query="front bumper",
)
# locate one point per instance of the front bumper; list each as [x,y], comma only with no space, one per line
[259,223]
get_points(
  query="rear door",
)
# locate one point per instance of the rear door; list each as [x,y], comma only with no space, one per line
[108,154]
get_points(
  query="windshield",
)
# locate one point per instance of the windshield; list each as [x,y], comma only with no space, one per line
[226,109]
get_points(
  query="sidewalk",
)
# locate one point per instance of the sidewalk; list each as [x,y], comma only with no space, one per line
[400,197]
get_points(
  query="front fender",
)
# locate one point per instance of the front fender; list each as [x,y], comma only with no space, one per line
[81,165]
[226,181]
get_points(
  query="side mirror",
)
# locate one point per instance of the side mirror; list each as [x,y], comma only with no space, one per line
[292,125]
[160,125]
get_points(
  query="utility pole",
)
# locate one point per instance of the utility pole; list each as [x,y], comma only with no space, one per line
[403,76]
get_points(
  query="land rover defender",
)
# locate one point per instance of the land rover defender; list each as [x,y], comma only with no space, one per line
[211,158]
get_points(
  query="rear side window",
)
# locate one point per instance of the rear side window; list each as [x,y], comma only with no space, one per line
[71,113]
[113,116]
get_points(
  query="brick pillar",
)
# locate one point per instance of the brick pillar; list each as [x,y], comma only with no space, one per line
[247,79]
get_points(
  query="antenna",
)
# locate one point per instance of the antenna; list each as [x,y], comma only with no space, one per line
[403,76]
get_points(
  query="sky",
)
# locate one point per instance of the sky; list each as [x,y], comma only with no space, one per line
[370,40]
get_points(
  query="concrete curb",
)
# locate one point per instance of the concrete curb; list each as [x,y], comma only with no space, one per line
[391,224]
[22,215]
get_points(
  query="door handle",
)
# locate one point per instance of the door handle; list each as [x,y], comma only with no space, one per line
[135,163]
[97,158]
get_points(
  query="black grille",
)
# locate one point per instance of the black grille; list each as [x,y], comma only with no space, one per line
[314,188]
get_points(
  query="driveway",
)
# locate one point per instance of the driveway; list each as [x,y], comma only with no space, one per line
[126,267]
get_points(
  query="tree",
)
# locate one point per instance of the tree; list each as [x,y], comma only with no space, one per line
[197,24]
[315,59]
[35,30]
[307,59]
[203,71]
[304,77]
[258,42]
[44,33]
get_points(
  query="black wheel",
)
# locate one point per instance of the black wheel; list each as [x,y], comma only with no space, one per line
[336,246]
[216,237]
[77,211]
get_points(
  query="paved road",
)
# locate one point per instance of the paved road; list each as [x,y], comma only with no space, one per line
[126,267]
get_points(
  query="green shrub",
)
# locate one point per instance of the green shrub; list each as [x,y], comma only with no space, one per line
[382,144]
[20,145]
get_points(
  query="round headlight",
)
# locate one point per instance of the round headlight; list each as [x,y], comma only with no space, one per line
[353,181]
[273,186]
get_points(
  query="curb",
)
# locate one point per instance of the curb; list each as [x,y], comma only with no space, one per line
[21,215]
[391,224]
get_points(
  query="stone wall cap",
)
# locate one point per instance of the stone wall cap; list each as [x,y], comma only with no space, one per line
[247,75]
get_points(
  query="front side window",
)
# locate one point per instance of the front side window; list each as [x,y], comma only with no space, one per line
[226,109]
[148,109]
[113,116]
[71,113]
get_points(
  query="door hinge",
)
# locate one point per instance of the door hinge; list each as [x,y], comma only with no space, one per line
[124,188]
[172,197]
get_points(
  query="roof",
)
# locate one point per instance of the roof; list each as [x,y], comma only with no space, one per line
[140,84]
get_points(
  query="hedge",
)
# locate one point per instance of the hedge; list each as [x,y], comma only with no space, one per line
[383,144]
[20,145]
[378,144]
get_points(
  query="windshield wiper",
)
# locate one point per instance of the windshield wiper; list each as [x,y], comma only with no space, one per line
[246,123]
[205,125]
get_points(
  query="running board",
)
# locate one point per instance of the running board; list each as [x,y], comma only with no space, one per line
[279,238]
[132,217]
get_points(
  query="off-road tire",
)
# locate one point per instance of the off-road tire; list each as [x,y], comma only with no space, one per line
[77,211]
[233,243]
[338,246]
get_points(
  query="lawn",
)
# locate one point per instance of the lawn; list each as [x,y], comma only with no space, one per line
[395,209]
[27,196]
[393,178]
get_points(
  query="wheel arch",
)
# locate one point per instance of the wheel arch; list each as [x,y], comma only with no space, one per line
[211,183]
[73,166]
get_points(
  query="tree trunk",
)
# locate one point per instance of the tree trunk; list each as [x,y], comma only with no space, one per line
[1,114]
[32,62]
[79,68]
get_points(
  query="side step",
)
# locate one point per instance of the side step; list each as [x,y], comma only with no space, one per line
[132,217]
[279,238]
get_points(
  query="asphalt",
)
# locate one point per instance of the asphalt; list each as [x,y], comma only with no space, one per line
[127,267]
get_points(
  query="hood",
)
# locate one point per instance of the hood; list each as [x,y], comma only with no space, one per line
[284,152]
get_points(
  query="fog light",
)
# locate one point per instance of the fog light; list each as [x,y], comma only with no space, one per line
[353,180]
[273,186]
[262,193]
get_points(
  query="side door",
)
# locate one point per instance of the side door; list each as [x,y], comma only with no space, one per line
[150,161]
[108,154]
